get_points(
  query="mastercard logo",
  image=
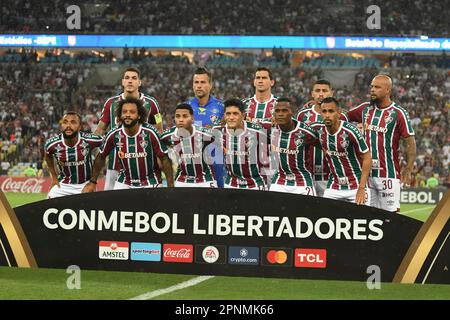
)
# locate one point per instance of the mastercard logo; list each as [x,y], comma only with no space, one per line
[276,256]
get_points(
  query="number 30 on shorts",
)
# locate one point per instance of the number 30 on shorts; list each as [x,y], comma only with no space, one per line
[387,184]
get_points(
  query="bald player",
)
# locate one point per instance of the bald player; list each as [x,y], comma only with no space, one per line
[384,124]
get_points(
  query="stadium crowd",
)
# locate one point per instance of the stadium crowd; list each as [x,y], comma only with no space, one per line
[398,17]
[34,94]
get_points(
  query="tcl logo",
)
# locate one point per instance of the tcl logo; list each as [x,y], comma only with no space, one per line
[178,253]
[310,258]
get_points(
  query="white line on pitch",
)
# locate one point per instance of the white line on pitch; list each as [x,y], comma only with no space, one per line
[414,210]
[181,285]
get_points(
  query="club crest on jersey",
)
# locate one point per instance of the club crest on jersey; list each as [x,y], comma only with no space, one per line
[389,117]
[249,143]
[213,118]
[307,115]
[344,141]
[143,144]
[298,140]
[84,152]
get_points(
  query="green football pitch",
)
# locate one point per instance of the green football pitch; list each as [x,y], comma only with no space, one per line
[18,283]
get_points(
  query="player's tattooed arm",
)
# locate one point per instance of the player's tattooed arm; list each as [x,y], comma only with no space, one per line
[101,128]
[411,157]
[167,169]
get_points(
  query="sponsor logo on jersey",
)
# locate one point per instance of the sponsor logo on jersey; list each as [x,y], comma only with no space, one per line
[372,127]
[128,155]
[333,153]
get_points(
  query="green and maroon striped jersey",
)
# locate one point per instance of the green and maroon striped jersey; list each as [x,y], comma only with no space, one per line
[320,168]
[257,110]
[109,118]
[246,154]
[290,151]
[342,151]
[194,161]
[383,129]
[74,163]
[137,155]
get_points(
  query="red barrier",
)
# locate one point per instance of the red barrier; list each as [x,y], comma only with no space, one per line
[32,185]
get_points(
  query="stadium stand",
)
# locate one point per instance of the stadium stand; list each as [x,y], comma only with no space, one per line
[399,17]
[36,87]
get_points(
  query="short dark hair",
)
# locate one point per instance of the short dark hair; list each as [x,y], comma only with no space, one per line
[142,112]
[323,81]
[285,99]
[132,69]
[185,106]
[234,102]
[72,113]
[265,69]
[331,100]
[204,70]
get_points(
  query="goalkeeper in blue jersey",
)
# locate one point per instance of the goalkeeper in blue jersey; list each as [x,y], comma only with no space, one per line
[208,112]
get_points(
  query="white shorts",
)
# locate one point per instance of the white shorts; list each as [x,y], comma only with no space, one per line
[385,193]
[261,188]
[110,179]
[307,191]
[123,186]
[65,189]
[212,184]
[320,187]
[345,195]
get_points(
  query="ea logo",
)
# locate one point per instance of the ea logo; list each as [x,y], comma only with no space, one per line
[210,254]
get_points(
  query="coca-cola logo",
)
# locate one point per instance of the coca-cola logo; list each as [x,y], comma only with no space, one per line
[178,253]
[24,185]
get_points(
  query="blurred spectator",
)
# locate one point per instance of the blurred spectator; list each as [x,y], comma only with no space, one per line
[286,17]
[34,94]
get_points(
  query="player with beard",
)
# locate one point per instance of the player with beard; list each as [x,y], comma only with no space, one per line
[310,113]
[138,146]
[347,155]
[384,124]
[72,151]
[131,83]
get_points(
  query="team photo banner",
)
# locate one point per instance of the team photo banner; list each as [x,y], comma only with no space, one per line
[214,231]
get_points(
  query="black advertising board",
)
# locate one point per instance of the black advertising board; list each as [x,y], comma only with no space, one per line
[213,232]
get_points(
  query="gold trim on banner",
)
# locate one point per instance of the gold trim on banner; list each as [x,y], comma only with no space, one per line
[423,242]
[15,235]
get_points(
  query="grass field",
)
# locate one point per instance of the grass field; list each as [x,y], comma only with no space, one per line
[18,283]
